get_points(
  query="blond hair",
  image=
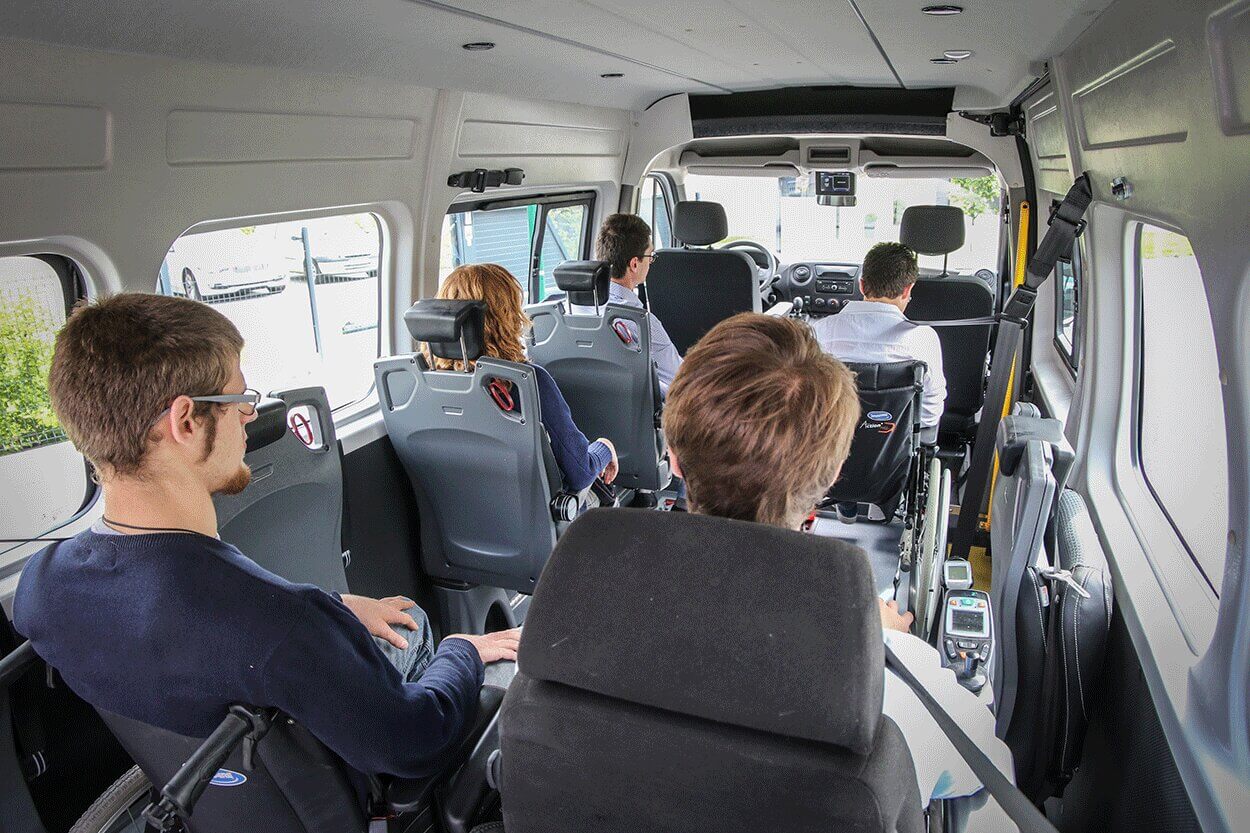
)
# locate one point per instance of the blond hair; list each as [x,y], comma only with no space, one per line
[761,420]
[506,322]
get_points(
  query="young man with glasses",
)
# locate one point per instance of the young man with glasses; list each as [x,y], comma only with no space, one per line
[625,242]
[149,615]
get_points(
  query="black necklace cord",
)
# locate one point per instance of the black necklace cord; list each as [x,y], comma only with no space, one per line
[116,524]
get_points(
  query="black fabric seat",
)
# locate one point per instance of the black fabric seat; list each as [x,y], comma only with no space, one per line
[693,290]
[711,675]
[883,449]
[939,230]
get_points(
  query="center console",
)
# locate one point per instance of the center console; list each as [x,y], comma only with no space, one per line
[823,287]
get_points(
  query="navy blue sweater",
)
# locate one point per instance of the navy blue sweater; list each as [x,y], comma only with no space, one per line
[172,628]
[580,461]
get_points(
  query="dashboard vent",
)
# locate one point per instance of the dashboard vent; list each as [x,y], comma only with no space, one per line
[817,156]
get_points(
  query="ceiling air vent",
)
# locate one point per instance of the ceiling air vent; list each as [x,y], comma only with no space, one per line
[828,156]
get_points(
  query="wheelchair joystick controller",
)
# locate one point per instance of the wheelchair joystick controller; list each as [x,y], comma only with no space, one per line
[970,674]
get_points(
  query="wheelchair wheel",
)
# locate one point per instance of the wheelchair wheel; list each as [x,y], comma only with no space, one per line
[922,579]
[120,808]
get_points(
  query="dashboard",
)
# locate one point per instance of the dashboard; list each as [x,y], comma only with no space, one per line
[823,287]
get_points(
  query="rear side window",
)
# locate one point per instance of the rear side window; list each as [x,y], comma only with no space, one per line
[303,293]
[529,239]
[35,293]
[1068,277]
[1181,436]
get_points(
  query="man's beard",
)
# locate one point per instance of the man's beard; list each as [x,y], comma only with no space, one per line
[242,476]
[237,482]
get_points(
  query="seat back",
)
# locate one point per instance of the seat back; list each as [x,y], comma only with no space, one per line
[602,364]
[295,784]
[475,450]
[939,230]
[693,290]
[886,438]
[620,721]
[1028,449]
[289,519]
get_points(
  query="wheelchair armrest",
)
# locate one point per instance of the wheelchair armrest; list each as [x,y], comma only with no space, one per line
[468,788]
[407,795]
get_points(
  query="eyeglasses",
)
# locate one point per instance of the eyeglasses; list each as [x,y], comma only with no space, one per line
[247,401]
[653,257]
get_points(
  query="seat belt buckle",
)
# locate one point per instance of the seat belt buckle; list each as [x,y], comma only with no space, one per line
[1079,225]
[1064,577]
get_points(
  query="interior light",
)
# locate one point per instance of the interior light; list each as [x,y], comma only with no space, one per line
[958,54]
[942,11]
[478,46]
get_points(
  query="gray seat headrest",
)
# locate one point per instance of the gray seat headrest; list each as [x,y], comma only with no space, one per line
[584,281]
[698,223]
[445,324]
[932,229]
[724,620]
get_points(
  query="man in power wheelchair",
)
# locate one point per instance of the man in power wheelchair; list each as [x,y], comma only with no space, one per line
[164,628]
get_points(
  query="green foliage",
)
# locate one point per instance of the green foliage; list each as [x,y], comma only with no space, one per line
[26,340]
[976,196]
[1157,243]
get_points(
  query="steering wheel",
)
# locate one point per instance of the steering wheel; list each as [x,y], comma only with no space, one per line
[766,270]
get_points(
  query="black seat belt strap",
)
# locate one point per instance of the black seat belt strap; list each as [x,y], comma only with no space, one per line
[1027,818]
[1066,224]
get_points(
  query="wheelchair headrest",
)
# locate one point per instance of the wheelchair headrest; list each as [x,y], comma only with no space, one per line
[1016,432]
[699,223]
[796,652]
[932,229]
[584,281]
[443,324]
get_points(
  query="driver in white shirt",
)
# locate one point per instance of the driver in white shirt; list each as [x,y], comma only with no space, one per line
[875,330]
[625,242]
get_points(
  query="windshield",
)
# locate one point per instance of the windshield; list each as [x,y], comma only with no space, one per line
[782,213]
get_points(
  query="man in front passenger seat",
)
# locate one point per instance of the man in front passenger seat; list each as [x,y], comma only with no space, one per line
[625,242]
[759,421]
[150,616]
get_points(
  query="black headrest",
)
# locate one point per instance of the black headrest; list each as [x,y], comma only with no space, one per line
[698,223]
[442,323]
[932,229]
[736,622]
[269,425]
[584,280]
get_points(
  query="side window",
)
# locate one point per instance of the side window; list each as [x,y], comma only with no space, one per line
[303,293]
[653,207]
[508,236]
[35,293]
[563,234]
[1068,277]
[1181,436]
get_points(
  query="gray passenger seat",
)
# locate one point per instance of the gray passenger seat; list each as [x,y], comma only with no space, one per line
[602,364]
[480,463]
[1050,659]
[289,519]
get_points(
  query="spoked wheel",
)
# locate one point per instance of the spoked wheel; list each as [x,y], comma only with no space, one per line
[120,808]
[190,287]
[926,569]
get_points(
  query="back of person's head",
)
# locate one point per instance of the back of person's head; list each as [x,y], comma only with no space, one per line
[506,322]
[760,419]
[622,237]
[889,268]
[119,362]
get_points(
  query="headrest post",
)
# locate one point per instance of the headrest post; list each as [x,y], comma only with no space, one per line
[596,293]
[464,353]
[945,257]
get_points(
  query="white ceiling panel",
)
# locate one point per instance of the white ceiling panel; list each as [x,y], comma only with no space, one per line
[557,49]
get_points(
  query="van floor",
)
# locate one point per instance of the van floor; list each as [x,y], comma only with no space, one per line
[879,540]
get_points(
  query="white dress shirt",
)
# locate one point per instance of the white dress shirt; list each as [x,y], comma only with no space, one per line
[875,332]
[940,770]
[664,354]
